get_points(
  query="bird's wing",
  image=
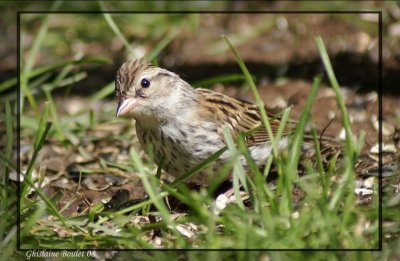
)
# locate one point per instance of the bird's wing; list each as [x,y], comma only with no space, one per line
[239,116]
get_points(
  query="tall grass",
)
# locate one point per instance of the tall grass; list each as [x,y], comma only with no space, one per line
[31,57]
[325,218]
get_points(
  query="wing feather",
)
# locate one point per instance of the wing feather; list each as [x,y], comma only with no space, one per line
[239,116]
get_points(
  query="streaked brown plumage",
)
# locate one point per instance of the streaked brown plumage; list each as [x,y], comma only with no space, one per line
[184,125]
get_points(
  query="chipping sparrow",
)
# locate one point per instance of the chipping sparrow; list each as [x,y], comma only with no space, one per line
[183,124]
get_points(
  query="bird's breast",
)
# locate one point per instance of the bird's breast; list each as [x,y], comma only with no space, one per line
[182,147]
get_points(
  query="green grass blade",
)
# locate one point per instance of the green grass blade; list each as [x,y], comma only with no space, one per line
[42,124]
[56,119]
[37,42]
[141,204]
[295,147]
[116,30]
[49,68]
[8,161]
[219,79]
[238,171]
[284,119]
[151,191]
[81,61]
[161,45]
[243,37]
[9,140]
[27,177]
[294,152]
[198,167]
[318,158]
[257,97]
[28,224]
[103,92]
[31,56]
[159,167]
[8,84]
[41,134]
[48,202]
[345,186]
[336,88]
[352,148]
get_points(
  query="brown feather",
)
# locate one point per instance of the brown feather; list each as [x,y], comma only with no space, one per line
[239,116]
[126,76]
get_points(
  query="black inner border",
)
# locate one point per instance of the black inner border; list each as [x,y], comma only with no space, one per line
[380,89]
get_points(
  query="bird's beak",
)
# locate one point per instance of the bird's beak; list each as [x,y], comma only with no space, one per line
[125,106]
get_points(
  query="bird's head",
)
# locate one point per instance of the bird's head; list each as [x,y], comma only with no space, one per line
[147,92]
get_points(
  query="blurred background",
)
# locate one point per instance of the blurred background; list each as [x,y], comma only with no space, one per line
[68,61]
[273,45]
[77,54]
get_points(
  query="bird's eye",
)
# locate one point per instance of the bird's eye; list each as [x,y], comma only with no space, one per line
[145,83]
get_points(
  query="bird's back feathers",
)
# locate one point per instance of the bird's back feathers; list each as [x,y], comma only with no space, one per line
[239,116]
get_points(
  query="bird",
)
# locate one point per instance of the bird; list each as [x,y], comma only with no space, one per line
[182,126]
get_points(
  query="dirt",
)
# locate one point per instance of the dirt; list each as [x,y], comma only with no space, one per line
[102,183]
[282,55]
[286,47]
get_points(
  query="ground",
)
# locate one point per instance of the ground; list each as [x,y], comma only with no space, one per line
[88,163]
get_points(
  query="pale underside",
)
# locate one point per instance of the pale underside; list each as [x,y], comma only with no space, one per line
[186,142]
[184,126]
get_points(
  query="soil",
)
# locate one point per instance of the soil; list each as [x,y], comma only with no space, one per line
[100,185]
[283,57]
